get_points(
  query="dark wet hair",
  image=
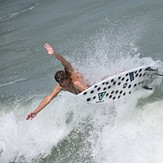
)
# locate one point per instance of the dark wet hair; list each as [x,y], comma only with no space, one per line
[60,76]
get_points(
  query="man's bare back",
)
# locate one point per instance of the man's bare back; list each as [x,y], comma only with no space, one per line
[68,80]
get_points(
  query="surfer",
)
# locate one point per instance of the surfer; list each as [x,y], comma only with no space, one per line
[68,79]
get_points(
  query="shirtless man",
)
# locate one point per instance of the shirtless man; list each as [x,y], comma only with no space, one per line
[68,80]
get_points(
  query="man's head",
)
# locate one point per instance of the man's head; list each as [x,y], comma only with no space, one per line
[61,77]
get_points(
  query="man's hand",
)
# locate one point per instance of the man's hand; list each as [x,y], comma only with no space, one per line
[31,116]
[49,49]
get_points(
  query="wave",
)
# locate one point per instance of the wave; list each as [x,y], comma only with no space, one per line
[108,133]
[14,14]
[12,82]
[136,135]
[33,140]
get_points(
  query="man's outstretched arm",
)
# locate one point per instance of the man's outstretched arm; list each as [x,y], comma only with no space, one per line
[64,62]
[44,102]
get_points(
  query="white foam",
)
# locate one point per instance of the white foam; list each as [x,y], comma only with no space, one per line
[135,136]
[22,140]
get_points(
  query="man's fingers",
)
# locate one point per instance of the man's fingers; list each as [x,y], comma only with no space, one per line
[28,117]
[47,45]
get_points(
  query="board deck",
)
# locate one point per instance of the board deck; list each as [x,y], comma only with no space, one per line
[120,85]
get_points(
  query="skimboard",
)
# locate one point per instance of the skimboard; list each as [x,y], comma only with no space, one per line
[120,85]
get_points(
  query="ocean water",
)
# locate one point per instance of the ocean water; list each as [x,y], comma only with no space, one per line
[99,38]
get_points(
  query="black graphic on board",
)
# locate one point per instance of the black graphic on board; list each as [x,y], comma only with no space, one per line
[131,75]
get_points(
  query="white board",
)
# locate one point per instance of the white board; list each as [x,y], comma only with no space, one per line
[120,85]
